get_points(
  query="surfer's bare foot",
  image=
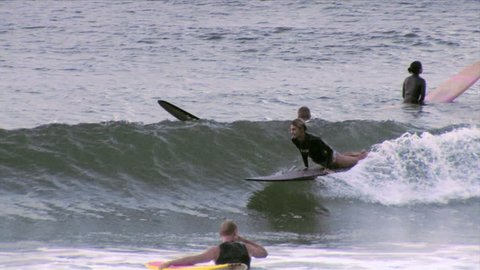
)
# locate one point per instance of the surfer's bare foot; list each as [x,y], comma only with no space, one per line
[328,170]
[363,154]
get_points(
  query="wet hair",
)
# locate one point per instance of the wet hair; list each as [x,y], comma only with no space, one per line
[299,123]
[415,67]
[304,113]
[228,227]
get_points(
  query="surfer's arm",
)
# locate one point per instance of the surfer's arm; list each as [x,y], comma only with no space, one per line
[305,159]
[423,90]
[304,155]
[206,256]
[255,250]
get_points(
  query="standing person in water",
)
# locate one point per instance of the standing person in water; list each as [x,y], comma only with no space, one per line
[315,148]
[304,113]
[414,86]
[233,249]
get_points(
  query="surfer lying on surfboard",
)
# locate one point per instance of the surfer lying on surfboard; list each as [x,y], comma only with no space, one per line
[320,152]
[233,249]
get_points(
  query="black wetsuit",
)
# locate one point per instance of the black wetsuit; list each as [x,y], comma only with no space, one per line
[233,252]
[316,149]
[414,88]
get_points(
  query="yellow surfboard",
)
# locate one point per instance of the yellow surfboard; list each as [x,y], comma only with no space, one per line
[456,85]
[230,266]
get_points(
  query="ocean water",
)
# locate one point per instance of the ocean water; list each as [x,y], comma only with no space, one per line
[95,175]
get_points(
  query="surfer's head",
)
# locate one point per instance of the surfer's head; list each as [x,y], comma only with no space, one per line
[298,128]
[415,67]
[299,123]
[304,113]
[228,228]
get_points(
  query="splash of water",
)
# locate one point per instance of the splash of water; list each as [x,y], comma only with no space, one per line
[416,168]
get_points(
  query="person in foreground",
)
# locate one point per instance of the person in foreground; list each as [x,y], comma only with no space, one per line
[233,249]
[414,86]
[313,147]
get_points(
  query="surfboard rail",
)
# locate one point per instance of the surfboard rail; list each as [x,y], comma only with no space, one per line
[298,175]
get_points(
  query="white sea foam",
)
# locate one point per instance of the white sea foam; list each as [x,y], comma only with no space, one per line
[416,168]
[392,256]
